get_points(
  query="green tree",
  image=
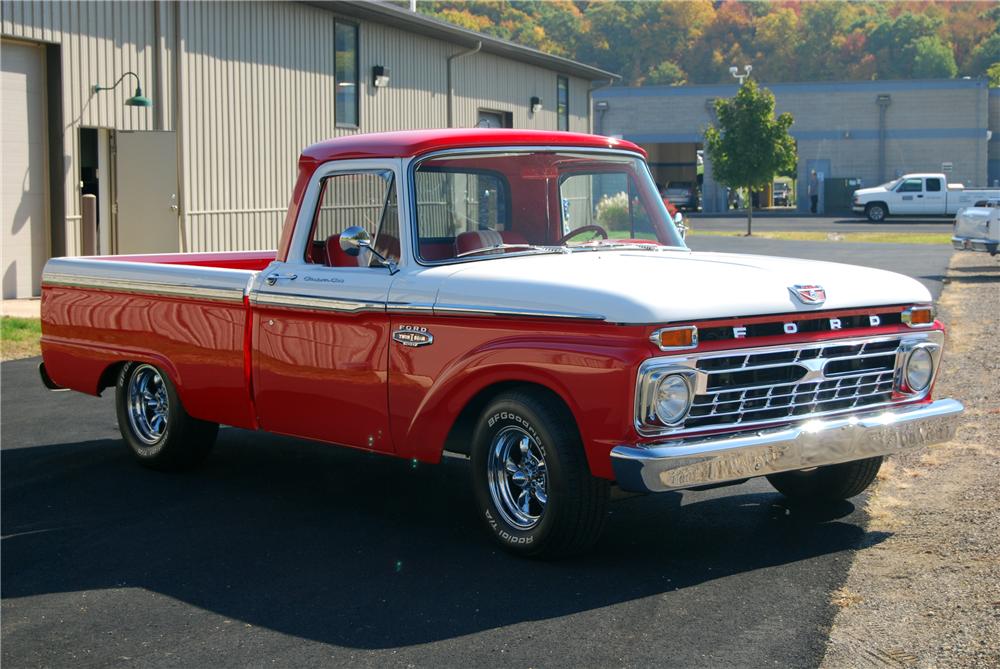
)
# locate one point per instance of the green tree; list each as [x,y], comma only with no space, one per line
[665,74]
[933,59]
[984,55]
[993,72]
[750,145]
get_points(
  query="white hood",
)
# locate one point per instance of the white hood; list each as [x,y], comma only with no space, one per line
[633,286]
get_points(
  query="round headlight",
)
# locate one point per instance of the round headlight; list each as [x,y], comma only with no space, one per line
[673,396]
[919,369]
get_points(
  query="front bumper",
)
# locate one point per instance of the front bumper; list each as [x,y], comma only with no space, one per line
[969,244]
[859,208]
[677,465]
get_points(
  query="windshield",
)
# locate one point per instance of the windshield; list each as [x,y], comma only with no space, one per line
[476,205]
[892,184]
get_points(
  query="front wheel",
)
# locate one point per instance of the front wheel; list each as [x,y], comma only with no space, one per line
[876,212]
[531,479]
[831,483]
[157,430]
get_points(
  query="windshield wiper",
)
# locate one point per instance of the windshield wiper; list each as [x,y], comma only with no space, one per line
[503,247]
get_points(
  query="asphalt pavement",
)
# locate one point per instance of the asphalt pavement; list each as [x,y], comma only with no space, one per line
[775,221]
[285,552]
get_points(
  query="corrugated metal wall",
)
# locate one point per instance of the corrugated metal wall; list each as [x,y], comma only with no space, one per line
[255,82]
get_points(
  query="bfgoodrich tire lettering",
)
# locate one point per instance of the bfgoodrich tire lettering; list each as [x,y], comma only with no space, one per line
[827,484]
[157,430]
[531,480]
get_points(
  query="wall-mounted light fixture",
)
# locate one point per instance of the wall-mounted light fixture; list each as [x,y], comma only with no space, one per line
[380,76]
[601,105]
[137,100]
[536,104]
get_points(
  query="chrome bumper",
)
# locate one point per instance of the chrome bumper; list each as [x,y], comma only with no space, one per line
[969,244]
[687,464]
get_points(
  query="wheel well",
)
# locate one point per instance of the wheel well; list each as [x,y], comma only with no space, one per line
[459,439]
[109,377]
[879,203]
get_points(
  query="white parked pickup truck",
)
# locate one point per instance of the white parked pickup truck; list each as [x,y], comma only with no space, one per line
[918,195]
[978,228]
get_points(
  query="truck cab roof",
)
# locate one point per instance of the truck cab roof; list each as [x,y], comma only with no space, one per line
[409,143]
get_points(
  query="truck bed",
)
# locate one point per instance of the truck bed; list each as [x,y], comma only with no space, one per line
[185,312]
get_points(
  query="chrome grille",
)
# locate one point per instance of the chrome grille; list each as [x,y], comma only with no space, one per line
[751,387]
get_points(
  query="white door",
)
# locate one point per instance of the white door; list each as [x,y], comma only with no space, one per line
[24,180]
[146,192]
[909,197]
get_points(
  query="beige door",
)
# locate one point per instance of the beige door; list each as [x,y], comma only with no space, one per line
[23,173]
[146,219]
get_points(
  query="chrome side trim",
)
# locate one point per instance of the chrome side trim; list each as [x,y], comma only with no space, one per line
[443,309]
[203,283]
[677,465]
[290,301]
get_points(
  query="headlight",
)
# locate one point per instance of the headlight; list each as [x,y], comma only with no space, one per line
[919,369]
[673,397]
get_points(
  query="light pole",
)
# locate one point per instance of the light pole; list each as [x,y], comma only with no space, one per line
[736,72]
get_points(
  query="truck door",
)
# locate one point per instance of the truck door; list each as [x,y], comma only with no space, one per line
[935,199]
[909,197]
[321,329]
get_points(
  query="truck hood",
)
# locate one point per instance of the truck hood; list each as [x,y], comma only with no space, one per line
[874,190]
[633,286]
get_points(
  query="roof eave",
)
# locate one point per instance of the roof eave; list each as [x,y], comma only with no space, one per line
[397,17]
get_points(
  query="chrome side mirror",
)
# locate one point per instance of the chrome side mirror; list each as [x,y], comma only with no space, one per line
[680,225]
[353,239]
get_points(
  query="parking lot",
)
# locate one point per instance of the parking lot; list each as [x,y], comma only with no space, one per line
[291,553]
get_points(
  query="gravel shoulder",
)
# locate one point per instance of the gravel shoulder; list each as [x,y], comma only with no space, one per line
[928,595]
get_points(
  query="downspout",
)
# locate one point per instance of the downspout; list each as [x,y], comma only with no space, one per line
[178,127]
[590,106]
[451,90]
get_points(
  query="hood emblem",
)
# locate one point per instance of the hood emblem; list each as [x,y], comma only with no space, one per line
[808,294]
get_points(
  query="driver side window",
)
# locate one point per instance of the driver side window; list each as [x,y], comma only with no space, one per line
[911,186]
[363,199]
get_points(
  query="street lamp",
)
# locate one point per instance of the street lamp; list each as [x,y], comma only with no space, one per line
[736,72]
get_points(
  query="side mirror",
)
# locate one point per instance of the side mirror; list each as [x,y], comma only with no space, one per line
[353,239]
[679,224]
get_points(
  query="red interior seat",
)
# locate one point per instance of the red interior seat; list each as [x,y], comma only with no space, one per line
[478,239]
[336,256]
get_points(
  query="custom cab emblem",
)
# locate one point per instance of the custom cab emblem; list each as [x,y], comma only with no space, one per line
[412,335]
[808,294]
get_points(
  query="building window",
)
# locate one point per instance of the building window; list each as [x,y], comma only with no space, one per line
[346,73]
[562,103]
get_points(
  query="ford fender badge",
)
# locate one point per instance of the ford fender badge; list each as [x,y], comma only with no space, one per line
[412,335]
[808,294]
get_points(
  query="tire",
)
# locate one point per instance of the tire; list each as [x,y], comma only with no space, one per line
[531,480]
[827,484]
[876,212]
[157,430]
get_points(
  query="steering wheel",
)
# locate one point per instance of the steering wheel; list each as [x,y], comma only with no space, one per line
[586,228]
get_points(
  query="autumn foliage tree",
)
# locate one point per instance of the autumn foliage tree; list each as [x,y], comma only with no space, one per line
[749,145]
[668,42]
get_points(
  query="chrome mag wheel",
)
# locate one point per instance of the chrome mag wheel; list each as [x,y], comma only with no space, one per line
[517,477]
[148,404]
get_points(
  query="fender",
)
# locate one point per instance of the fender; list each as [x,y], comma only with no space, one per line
[596,382]
[80,366]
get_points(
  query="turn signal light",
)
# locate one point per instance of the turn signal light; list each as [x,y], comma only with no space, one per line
[918,317]
[675,339]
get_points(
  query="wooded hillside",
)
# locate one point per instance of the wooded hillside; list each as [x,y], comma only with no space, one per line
[657,42]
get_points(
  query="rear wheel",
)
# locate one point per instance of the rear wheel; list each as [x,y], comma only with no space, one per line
[876,212]
[827,484]
[531,479]
[157,430]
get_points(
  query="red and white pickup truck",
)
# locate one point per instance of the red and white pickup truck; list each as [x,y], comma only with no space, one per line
[519,298]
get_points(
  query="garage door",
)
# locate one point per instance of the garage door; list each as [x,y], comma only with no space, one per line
[23,188]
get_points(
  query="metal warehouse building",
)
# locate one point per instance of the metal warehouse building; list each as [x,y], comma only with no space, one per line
[237,90]
[871,131]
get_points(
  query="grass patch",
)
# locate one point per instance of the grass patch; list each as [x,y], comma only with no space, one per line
[19,337]
[935,238]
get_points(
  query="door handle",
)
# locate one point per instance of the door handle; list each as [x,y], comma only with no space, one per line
[920,196]
[272,279]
